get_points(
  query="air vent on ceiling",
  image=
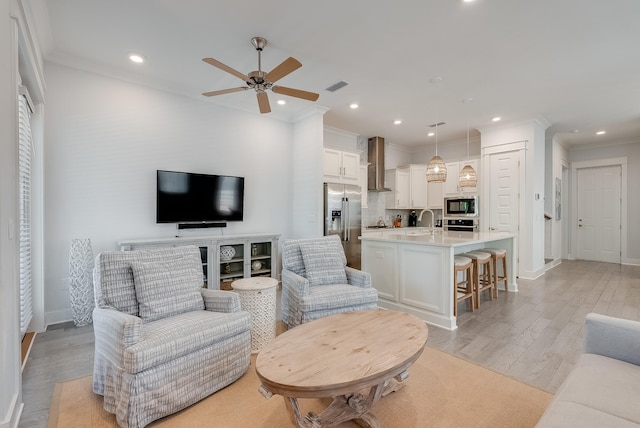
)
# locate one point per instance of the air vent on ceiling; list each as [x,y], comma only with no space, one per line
[337,86]
[433,125]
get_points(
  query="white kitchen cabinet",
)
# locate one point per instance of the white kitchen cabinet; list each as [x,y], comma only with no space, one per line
[418,186]
[450,187]
[398,181]
[364,182]
[409,187]
[435,196]
[341,167]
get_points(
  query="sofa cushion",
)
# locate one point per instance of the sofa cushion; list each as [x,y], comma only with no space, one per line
[599,391]
[170,338]
[323,262]
[168,288]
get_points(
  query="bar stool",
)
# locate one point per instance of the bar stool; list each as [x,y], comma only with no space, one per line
[464,265]
[497,254]
[482,276]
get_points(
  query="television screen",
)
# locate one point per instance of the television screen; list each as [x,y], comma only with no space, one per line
[189,197]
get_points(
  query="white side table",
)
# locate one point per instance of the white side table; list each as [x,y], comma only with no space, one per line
[258,297]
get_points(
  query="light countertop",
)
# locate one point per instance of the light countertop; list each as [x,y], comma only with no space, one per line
[422,236]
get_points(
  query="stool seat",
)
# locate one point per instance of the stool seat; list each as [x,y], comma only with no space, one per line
[460,261]
[499,254]
[482,279]
[478,255]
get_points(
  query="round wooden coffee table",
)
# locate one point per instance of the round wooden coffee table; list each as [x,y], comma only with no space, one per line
[354,357]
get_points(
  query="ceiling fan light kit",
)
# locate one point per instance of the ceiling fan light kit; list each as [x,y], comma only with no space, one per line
[261,81]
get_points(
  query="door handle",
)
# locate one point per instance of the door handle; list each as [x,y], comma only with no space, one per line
[345,220]
[492,228]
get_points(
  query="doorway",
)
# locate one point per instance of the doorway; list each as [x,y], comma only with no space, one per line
[599,201]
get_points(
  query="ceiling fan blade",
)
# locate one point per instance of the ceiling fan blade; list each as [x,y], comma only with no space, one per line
[263,102]
[298,93]
[224,91]
[287,66]
[226,68]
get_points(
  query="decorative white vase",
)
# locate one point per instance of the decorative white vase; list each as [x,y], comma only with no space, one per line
[81,281]
[227,252]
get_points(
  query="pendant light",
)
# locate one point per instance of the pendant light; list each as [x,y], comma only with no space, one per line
[468,177]
[436,168]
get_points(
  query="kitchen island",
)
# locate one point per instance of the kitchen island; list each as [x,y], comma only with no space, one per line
[412,269]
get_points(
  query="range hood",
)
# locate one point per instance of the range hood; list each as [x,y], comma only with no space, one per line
[375,173]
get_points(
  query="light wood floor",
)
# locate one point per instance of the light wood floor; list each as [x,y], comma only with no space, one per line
[534,335]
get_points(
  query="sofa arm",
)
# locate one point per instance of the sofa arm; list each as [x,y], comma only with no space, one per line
[115,331]
[221,300]
[357,277]
[612,337]
[294,283]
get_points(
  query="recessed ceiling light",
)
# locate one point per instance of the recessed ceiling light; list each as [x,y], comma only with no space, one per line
[282,102]
[431,134]
[137,58]
[601,132]
[496,119]
[397,122]
[353,105]
[575,131]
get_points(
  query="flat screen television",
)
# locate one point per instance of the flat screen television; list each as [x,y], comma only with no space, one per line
[184,197]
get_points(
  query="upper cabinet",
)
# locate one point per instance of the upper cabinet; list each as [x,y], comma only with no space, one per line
[408,186]
[341,167]
[451,187]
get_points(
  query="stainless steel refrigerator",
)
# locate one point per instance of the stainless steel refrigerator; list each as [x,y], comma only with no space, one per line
[343,217]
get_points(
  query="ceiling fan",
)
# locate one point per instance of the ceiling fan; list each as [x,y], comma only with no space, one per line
[261,81]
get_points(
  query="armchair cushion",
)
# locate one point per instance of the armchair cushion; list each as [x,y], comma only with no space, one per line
[168,288]
[168,339]
[323,262]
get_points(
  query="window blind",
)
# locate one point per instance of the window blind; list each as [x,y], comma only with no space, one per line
[24,190]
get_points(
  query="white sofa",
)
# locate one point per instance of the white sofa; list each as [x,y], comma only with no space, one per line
[603,389]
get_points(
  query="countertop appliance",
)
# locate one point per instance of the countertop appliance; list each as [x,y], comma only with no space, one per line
[413,219]
[461,207]
[342,217]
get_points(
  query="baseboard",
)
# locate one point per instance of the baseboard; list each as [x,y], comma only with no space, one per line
[632,262]
[57,317]
[14,413]
[552,264]
[531,274]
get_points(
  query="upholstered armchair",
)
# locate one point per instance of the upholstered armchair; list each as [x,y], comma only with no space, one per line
[162,342]
[316,281]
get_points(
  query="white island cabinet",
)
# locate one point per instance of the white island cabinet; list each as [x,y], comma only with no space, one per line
[413,269]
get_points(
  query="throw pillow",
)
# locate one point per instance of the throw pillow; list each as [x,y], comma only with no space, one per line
[168,288]
[323,262]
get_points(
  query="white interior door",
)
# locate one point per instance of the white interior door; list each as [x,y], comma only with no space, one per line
[504,191]
[598,214]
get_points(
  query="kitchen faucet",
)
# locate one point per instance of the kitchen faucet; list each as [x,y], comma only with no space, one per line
[433,217]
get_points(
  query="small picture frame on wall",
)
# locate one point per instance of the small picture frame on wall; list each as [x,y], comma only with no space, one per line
[558,198]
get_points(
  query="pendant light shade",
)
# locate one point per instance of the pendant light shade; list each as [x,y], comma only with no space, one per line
[436,168]
[468,177]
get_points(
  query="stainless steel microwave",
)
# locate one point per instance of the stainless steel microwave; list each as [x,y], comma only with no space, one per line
[461,207]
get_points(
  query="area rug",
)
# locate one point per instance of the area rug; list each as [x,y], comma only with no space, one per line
[441,391]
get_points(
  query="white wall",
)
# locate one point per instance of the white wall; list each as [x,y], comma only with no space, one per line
[10,388]
[531,235]
[632,152]
[104,141]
